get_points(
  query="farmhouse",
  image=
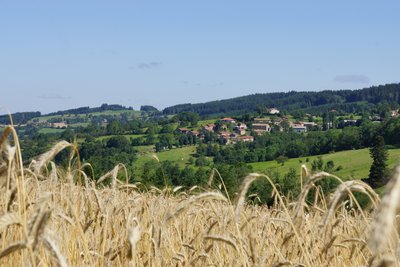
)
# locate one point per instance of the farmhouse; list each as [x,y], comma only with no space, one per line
[273,111]
[59,125]
[298,127]
[228,137]
[261,128]
[224,134]
[241,128]
[209,127]
[309,124]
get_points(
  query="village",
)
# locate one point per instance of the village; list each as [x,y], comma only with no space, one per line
[228,130]
[232,131]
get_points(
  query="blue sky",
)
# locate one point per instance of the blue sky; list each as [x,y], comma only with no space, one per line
[56,55]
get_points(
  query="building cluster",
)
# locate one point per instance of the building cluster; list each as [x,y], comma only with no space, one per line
[190,132]
[238,133]
[233,131]
[228,130]
[377,118]
[262,126]
[48,124]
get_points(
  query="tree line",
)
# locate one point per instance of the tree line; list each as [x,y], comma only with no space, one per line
[315,102]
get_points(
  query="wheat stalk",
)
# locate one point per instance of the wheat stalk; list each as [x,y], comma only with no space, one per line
[45,158]
[343,190]
[385,214]
[244,187]
[113,174]
[134,234]
[54,251]
[299,210]
[12,248]
[192,200]
[224,239]
[9,219]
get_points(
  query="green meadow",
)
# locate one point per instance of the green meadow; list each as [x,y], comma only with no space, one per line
[128,136]
[354,164]
[178,155]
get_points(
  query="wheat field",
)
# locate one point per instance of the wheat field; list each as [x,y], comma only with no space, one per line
[53,216]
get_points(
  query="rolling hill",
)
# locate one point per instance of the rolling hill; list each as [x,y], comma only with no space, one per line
[312,102]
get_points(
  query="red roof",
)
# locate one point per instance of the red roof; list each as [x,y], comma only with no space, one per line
[225,134]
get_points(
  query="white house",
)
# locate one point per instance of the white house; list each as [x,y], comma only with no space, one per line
[59,125]
[273,111]
[298,127]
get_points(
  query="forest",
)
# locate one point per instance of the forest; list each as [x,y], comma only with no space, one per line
[309,102]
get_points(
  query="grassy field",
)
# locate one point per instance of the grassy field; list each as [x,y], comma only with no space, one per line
[118,112]
[179,155]
[130,113]
[355,163]
[50,130]
[128,136]
[80,124]
[205,122]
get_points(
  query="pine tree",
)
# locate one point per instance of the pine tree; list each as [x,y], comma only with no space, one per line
[378,173]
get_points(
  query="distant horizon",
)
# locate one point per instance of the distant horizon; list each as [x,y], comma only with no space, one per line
[162,108]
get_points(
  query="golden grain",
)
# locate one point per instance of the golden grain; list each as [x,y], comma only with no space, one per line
[94,225]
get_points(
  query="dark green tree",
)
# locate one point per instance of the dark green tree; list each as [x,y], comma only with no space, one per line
[119,142]
[378,173]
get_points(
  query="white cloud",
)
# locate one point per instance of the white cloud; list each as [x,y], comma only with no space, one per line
[351,78]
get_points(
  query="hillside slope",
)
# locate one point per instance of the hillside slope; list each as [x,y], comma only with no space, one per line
[346,100]
[354,164]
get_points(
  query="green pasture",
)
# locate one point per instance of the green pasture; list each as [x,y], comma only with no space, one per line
[355,163]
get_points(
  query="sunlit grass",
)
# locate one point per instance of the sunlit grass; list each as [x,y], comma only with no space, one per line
[355,163]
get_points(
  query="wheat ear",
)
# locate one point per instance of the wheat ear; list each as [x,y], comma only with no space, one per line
[44,159]
[382,224]
[244,187]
